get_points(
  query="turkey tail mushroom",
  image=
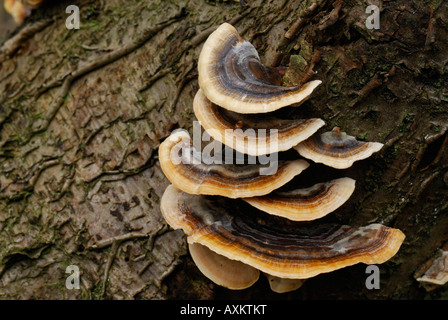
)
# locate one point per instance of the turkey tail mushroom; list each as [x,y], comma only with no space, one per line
[336,149]
[252,134]
[186,170]
[237,222]
[306,204]
[228,228]
[232,76]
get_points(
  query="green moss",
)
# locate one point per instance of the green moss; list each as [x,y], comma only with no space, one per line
[298,62]
[140,98]
[406,122]
[357,78]
[435,128]
[334,86]
[363,137]
[95,25]
[97,291]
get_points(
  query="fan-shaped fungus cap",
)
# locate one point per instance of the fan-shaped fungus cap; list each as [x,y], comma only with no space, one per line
[227,273]
[17,10]
[308,203]
[282,285]
[437,273]
[232,76]
[336,149]
[177,159]
[252,134]
[230,229]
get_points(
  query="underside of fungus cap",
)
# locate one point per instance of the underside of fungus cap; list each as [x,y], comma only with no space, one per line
[180,164]
[308,203]
[232,76]
[336,149]
[227,273]
[238,231]
[233,274]
[254,134]
[281,285]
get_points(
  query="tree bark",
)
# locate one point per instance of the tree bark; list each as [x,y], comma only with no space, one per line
[84,111]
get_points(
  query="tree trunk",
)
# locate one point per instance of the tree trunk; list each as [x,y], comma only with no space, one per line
[84,111]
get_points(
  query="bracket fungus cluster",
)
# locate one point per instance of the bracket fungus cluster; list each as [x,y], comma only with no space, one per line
[240,222]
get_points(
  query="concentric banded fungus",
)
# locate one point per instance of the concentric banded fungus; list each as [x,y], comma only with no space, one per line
[336,149]
[252,134]
[242,233]
[437,272]
[227,273]
[232,76]
[308,203]
[176,156]
[232,240]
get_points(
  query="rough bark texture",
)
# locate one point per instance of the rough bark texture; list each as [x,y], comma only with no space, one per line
[83,112]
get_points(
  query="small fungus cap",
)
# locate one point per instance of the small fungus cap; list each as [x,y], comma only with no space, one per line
[437,273]
[282,285]
[336,149]
[232,76]
[254,134]
[291,251]
[227,273]
[181,165]
[233,274]
[308,203]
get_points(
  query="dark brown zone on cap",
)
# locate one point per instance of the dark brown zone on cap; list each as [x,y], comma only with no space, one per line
[340,148]
[258,121]
[299,246]
[314,192]
[238,225]
[245,172]
[252,78]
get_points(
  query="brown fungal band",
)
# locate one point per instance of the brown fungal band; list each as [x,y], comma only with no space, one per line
[252,134]
[308,203]
[286,250]
[232,76]
[336,149]
[180,165]
[227,273]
